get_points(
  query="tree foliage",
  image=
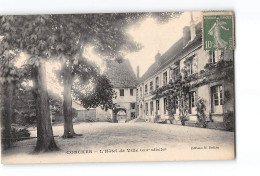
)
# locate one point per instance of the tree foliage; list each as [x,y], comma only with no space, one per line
[25,106]
[100,93]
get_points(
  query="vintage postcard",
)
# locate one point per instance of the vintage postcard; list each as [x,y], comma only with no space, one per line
[117,87]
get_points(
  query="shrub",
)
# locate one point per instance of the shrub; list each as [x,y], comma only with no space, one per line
[90,120]
[171,119]
[229,121]
[109,119]
[17,134]
[201,116]
[183,119]
[25,118]
[156,119]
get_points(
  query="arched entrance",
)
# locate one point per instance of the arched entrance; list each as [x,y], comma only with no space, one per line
[119,115]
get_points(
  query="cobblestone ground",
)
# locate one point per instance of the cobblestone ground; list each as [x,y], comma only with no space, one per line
[126,135]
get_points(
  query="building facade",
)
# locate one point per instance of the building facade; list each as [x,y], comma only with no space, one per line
[124,81]
[188,59]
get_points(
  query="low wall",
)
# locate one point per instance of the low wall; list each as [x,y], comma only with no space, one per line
[86,115]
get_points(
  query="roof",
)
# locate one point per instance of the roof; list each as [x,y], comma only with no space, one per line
[121,74]
[175,52]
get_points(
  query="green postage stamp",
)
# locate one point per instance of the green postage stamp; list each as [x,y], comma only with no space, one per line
[218,30]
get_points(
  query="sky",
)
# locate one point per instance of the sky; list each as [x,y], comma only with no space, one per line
[153,36]
[156,38]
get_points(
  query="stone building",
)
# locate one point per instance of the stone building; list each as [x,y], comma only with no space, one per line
[188,53]
[124,82]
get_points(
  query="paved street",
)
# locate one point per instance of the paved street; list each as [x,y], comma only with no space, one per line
[131,135]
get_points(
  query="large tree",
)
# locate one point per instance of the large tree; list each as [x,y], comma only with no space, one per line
[31,34]
[9,76]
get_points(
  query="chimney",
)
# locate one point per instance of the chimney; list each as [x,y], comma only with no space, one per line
[186,36]
[189,32]
[137,72]
[158,57]
[192,27]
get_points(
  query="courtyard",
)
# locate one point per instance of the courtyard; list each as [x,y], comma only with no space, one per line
[102,137]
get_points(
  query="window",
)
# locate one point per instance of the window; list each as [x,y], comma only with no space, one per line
[221,54]
[190,66]
[122,93]
[145,89]
[131,92]
[157,82]
[175,72]
[146,108]
[212,57]
[176,104]
[157,105]
[151,108]
[132,115]
[151,86]
[141,92]
[165,105]
[165,78]
[137,92]
[215,56]
[216,99]
[192,101]
[132,105]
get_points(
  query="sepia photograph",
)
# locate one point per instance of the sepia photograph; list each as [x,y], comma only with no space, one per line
[117,87]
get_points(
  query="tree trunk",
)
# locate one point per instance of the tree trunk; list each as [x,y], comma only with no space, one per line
[7,113]
[66,67]
[67,105]
[45,139]
[114,116]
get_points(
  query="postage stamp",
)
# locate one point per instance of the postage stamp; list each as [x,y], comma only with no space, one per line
[218,30]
